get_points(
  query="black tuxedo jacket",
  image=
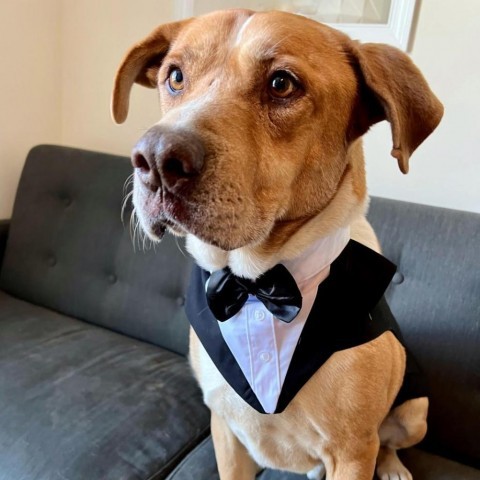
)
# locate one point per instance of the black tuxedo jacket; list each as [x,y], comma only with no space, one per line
[349,310]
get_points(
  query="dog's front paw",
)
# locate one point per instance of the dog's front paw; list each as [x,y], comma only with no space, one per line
[404,475]
[389,466]
[318,473]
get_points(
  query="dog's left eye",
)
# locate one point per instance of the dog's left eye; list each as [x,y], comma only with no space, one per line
[282,85]
[175,80]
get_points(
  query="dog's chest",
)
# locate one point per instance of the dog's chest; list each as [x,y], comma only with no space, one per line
[270,439]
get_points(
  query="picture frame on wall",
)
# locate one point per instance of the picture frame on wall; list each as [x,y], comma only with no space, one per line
[384,21]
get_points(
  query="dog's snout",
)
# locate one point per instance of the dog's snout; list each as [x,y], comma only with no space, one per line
[168,158]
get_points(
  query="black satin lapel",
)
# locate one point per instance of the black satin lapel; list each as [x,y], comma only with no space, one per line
[317,341]
[370,273]
[339,318]
[207,329]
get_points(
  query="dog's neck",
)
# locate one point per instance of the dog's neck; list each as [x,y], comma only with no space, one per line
[252,261]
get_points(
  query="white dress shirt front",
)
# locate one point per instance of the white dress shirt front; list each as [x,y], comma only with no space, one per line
[262,345]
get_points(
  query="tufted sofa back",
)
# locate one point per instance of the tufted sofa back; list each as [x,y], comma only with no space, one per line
[435,296]
[69,251]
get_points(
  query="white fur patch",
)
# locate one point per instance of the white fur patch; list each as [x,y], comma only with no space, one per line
[207,256]
[238,39]
[185,115]
[245,262]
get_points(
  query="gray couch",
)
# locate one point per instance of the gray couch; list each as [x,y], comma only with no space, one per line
[94,383]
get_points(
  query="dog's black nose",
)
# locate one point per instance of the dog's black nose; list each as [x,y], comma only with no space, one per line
[169,158]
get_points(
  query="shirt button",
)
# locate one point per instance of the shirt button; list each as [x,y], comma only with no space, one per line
[259,315]
[265,357]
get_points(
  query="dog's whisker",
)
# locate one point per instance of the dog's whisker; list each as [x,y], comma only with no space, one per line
[133,220]
[127,183]
[138,234]
[180,247]
[136,231]
[146,242]
[128,196]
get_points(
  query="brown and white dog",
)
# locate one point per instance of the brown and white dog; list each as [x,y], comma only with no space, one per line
[258,154]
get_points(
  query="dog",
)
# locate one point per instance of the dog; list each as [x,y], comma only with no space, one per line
[257,156]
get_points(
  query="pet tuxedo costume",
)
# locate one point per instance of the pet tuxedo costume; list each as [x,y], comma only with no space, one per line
[347,310]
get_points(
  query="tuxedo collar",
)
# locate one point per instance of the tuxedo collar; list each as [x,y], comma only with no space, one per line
[227,292]
[312,265]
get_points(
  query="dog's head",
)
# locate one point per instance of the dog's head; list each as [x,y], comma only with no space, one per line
[261,117]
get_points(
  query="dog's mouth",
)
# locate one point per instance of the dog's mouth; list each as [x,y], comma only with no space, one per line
[161,211]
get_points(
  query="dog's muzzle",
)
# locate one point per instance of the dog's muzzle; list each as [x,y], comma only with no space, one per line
[168,163]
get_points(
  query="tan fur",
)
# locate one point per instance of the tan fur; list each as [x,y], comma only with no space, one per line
[276,177]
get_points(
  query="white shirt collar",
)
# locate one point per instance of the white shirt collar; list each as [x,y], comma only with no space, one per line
[316,258]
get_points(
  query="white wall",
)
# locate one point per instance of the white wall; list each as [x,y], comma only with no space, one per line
[95,36]
[29,86]
[445,170]
[55,87]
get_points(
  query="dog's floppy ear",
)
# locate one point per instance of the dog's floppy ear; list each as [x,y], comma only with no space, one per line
[395,90]
[141,65]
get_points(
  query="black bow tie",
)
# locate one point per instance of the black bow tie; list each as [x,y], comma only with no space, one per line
[276,289]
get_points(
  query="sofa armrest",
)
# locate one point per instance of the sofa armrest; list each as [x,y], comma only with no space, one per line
[4,226]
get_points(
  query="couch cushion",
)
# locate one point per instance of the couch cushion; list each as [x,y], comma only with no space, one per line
[200,464]
[425,466]
[435,297]
[69,251]
[81,402]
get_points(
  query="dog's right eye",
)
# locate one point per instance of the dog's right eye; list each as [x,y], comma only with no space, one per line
[175,80]
[282,85]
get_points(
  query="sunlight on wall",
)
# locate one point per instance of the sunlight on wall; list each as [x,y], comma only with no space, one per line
[29,86]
